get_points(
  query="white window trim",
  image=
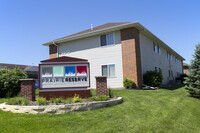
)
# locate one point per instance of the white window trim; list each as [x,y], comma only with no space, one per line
[106,39]
[107,69]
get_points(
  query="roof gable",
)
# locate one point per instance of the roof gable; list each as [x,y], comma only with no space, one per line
[64,59]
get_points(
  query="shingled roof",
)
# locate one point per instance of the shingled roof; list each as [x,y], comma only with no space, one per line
[23,67]
[111,27]
[98,28]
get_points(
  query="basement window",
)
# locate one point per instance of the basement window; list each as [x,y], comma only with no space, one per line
[108,70]
[107,39]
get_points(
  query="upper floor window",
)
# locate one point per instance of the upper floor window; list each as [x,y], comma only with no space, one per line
[156,49]
[107,39]
[177,60]
[169,56]
[108,70]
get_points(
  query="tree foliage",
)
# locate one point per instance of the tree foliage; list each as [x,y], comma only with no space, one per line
[192,82]
[9,81]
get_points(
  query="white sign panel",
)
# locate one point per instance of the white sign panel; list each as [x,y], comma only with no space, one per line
[61,76]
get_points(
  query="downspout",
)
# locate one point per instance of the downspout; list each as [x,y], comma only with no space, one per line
[57,48]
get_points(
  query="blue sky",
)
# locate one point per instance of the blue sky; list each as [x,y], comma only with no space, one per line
[26,24]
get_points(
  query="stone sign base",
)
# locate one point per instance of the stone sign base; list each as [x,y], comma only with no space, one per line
[64,93]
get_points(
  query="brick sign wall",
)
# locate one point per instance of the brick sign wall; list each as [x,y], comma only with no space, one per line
[28,89]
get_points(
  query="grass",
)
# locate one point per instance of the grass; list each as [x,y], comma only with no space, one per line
[142,111]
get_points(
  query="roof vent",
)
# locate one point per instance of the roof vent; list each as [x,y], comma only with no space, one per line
[91,26]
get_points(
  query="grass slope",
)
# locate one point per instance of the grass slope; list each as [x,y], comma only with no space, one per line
[142,111]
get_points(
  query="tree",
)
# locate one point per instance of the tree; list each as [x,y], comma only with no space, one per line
[9,81]
[192,82]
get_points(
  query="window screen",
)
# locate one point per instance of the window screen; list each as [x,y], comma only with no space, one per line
[110,39]
[112,70]
[108,70]
[103,40]
[104,70]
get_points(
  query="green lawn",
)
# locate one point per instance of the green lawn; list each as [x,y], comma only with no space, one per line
[142,111]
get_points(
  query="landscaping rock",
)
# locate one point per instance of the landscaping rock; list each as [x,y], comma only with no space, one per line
[60,109]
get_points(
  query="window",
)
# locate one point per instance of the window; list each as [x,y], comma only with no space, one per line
[177,60]
[157,69]
[159,50]
[156,49]
[170,73]
[178,74]
[107,39]
[169,56]
[108,70]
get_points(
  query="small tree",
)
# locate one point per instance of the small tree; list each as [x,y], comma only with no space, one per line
[9,81]
[192,82]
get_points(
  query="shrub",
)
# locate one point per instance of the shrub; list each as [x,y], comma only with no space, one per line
[51,100]
[9,81]
[128,83]
[41,101]
[68,100]
[102,98]
[58,100]
[77,99]
[18,101]
[110,93]
[91,99]
[152,78]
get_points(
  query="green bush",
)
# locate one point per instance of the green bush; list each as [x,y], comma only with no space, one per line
[128,83]
[18,101]
[77,99]
[152,78]
[41,101]
[110,93]
[68,101]
[102,98]
[58,100]
[91,99]
[9,81]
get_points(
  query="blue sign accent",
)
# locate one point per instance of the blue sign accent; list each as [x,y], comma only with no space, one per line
[70,70]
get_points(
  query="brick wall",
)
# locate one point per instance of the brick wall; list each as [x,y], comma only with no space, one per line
[131,57]
[52,51]
[101,85]
[64,94]
[28,89]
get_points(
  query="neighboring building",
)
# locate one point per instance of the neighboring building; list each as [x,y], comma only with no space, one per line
[186,68]
[119,50]
[31,71]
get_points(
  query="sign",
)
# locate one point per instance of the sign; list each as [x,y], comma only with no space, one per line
[64,76]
